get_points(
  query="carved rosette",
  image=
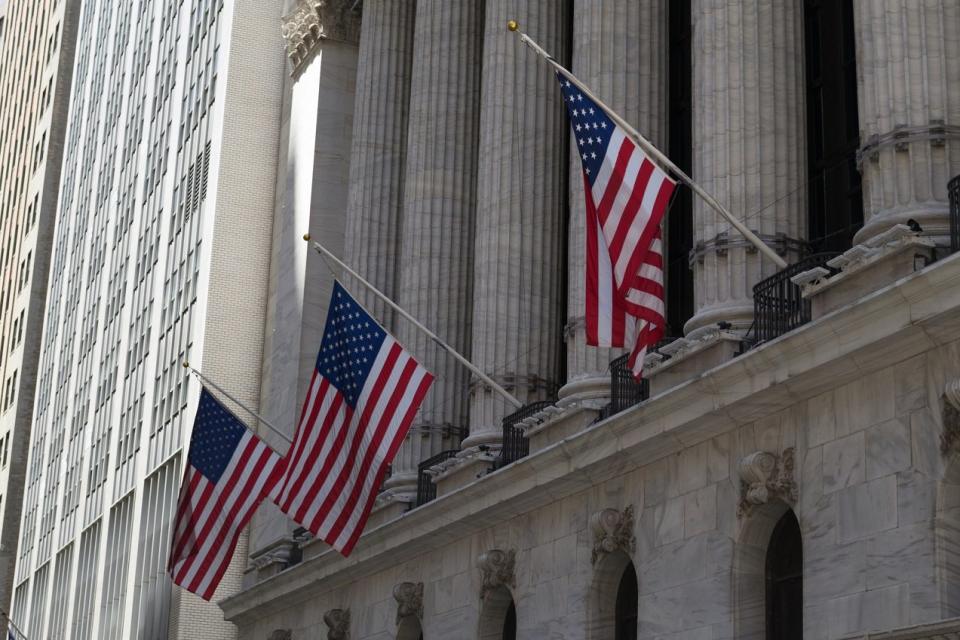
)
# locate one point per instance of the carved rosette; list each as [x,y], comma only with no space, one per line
[950,438]
[496,570]
[409,597]
[338,624]
[765,476]
[612,531]
[314,20]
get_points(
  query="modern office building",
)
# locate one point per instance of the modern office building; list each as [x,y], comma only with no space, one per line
[160,255]
[790,466]
[36,62]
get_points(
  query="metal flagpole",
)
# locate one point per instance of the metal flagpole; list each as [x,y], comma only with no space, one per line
[213,384]
[446,347]
[11,624]
[648,147]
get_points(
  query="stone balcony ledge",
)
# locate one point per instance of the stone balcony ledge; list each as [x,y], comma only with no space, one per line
[915,314]
[945,630]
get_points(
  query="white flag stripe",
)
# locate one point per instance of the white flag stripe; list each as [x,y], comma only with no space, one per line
[604,289]
[307,488]
[650,195]
[249,504]
[340,457]
[388,440]
[315,386]
[366,440]
[624,193]
[648,300]
[607,167]
[329,395]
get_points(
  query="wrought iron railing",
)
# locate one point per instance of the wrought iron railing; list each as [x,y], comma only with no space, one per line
[515,444]
[953,187]
[426,490]
[625,391]
[778,306]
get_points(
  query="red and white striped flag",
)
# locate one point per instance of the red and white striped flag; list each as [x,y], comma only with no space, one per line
[229,472]
[364,394]
[627,196]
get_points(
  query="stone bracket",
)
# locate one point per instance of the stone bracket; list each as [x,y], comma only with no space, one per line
[497,569]
[765,476]
[409,597]
[612,531]
[338,624]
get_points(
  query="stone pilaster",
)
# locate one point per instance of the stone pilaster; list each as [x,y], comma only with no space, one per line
[379,149]
[908,73]
[521,209]
[749,142]
[620,51]
[439,214]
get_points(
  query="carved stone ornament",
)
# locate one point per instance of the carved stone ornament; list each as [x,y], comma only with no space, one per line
[950,438]
[765,476]
[338,623]
[496,569]
[409,597]
[281,634]
[314,20]
[612,531]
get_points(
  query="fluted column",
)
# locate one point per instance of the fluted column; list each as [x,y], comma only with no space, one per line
[379,149]
[908,72]
[521,213]
[620,51]
[749,148]
[439,215]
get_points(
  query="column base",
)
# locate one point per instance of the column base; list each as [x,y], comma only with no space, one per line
[933,218]
[738,313]
[588,386]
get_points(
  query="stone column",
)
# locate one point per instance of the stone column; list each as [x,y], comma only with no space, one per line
[379,149]
[521,210]
[749,149]
[439,215]
[908,72]
[620,51]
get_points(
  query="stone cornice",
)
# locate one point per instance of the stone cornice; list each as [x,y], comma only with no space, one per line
[312,21]
[908,317]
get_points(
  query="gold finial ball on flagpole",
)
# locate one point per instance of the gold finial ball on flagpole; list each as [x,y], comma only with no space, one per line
[512,25]
[186,364]
[306,237]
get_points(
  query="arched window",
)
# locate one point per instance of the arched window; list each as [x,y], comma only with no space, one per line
[510,623]
[784,574]
[626,612]
[410,629]
[498,616]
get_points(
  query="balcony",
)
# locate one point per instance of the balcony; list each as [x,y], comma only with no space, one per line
[515,443]
[625,391]
[426,489]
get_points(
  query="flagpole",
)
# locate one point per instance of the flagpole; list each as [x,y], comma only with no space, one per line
[446,347]
[11,623]
[186,365]
[650,149]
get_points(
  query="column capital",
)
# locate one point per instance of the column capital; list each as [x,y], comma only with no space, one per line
[312,21]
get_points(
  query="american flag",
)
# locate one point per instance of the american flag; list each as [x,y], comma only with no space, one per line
[365,391]
[229,472]
[627,196]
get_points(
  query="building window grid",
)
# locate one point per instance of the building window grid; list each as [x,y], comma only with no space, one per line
[152,597]
[61,593]
[115,567]
[38,603]
[86,582]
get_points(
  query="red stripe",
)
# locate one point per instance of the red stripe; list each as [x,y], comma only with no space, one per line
[337,450]
[292,490]
[394,446]
[650,231]
[207,524]
[616,179]
[230,523]
[182,518]
[381,429]
[630,210]
[591,273]
[188,541]
[313,455]
[303,434]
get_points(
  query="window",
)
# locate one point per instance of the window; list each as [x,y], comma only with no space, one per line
[835,209]
[680,218]
[498,617]
[626,611]
[784,577]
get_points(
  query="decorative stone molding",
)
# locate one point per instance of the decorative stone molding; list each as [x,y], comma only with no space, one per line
[950,438]
[936,134]
[723,242]
[409,597]
[612,531]
[281,634]
[338,624]
[497,569]
[278,553]
[765,476]
[675,352]
[315,20]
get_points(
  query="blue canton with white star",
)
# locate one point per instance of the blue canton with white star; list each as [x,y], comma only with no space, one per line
[592,127]
[351,342]
[216,434]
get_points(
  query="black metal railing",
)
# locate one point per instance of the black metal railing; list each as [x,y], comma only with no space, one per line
[625,391]
[515,444]
[426,490]
[778,306]
[953,187]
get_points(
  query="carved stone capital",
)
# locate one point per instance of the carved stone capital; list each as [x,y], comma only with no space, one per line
[314,20]
[950,438]
[409,597]
[281,634]
[496,569]
[765,476]
[338,624]
[612,531]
